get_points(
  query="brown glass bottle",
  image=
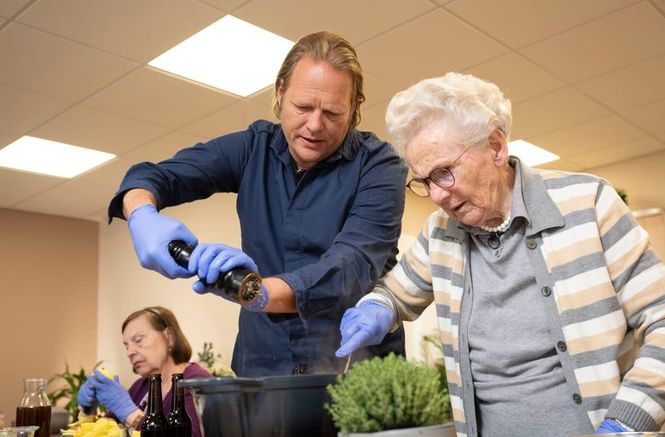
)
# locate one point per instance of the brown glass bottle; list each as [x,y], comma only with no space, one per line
[178,422]
[241,285]
[154,422]
[35,407]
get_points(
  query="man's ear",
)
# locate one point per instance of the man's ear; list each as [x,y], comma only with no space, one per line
[499,145]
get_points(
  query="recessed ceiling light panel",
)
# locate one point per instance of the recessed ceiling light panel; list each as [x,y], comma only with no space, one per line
[530,154]
[230,54]
[37,155]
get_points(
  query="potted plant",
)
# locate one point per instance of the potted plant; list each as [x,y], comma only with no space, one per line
[209,359]
[390,397]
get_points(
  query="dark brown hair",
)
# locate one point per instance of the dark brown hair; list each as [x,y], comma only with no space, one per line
[329,47]
[161,318]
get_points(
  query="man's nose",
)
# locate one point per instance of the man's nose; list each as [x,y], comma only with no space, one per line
[315,120]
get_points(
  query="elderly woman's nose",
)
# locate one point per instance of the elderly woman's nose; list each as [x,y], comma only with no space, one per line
[438,194]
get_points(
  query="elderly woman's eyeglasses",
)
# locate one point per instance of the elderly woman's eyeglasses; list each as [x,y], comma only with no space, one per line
[441,176]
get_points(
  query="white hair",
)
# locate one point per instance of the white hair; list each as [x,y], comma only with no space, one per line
[468,108]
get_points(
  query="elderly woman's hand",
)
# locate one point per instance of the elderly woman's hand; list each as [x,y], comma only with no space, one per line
[112,394]
[86,395]
[365,325]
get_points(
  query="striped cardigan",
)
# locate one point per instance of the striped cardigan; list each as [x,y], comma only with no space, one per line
[590,256]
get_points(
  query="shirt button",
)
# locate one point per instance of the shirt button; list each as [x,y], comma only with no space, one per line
[546,291]
[577,398]
[531,243]
[561,346]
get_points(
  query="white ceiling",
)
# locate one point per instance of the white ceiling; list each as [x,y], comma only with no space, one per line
[587,78]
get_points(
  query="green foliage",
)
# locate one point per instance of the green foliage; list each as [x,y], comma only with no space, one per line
[388,393]
[73,381]
[208,358]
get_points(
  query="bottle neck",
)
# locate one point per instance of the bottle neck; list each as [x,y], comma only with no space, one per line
[155,395]
[177,395]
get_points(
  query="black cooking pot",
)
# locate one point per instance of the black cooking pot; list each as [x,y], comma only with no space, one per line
[272,406]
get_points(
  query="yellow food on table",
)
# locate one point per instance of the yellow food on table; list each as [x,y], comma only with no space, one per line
[103,427]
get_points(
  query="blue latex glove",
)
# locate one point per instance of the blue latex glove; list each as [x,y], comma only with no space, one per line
[609,426]
[86,397]
[151,233]
[112,394]
[364,325]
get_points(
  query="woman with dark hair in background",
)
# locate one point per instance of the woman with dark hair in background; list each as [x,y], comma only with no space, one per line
[155,344]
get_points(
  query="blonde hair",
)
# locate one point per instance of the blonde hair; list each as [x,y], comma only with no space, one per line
[328,47]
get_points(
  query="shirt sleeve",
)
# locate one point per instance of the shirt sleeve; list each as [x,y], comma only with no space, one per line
[638,276]
[193,173]
[363,249]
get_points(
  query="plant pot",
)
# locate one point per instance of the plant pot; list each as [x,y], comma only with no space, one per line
[442,430]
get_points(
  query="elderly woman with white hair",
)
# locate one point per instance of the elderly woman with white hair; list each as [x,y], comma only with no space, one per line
[549,299]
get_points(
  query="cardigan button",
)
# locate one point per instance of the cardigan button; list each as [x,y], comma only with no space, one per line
[577,398]
[561,346]
[546,291]
[531,244]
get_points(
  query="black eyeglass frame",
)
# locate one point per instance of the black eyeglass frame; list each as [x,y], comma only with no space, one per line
[435,178]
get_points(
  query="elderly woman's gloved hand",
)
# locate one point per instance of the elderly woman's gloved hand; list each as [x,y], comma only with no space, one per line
[86,397]
[112,394]
[609,426]
[365,325]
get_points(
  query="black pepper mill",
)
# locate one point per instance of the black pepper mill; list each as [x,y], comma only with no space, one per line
[178,422]
[154,422]
[241,285]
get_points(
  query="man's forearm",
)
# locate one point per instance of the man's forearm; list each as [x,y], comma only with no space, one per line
[136,197]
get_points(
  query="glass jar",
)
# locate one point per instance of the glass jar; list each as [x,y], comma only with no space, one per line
[35,407]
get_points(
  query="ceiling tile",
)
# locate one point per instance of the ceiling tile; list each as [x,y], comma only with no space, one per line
[229,119]
[21,111]
[518,78]
[73,198]
[87,127]
[562,165]
[2,21]
[618,152]
[139,30]
[608,43]
[109,174]
[561,108]
[8,137]
[377,90]
[263,97]
[152,96]
[645,79]
[521,22]
[9,7]
[17,186]
[226,5]
[589,136]
[399,53]
[650,117]
[54,66]
[374,120]
[163,147]
[293,19]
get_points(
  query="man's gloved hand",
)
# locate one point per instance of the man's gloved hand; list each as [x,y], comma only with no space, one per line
[151,233]
[86,397]
[609,426]
[209,261]
[364,325]
[112,394]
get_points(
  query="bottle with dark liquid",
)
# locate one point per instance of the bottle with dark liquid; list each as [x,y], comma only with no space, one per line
[241,285]
[179,423]
[35,407]
[154,422]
